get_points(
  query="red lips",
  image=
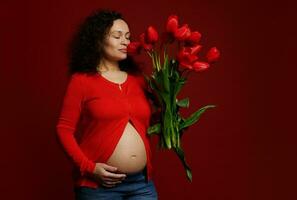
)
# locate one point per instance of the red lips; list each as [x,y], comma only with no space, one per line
[123,50]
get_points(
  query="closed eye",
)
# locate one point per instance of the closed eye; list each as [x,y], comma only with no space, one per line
[117,37]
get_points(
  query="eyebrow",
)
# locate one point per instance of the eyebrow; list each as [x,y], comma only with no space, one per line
[119,32]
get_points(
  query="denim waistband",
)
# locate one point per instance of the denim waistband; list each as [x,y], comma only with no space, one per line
[142,172]
[135,176]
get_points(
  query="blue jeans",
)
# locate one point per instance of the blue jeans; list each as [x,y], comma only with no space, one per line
[133,187]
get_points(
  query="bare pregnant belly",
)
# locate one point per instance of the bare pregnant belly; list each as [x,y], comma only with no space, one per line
[129,156]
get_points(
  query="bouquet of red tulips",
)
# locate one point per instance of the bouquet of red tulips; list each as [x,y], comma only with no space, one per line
[168,77]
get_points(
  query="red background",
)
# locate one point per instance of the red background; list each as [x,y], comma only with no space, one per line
[245,149]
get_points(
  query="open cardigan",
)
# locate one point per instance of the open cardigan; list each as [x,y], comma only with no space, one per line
[99,110]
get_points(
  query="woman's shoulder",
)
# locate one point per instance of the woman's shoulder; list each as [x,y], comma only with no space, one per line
[140,79]
[82,76]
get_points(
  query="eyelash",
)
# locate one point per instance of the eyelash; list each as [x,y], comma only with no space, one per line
[120,37]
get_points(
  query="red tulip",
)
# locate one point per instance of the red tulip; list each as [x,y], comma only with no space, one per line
[191,50]
[200,66]
[151,35]
[193,39]
[171,28]
[172,24]
[182,33]
[134,48]
[195,49]
[144,44]
[186,58]
[213,54]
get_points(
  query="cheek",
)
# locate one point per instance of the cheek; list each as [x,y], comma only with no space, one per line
[111,48]
[114,43]
[111,45]
[112,52]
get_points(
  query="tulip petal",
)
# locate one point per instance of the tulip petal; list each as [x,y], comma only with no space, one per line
[195,49]
[182,33]
[151,35]
[134,48]
[185,58]
[146,46]
[200,66]
[186,65]
[213,54]
[193,39]
[172,24]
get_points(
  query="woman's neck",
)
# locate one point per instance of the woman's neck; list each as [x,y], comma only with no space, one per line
[106,65]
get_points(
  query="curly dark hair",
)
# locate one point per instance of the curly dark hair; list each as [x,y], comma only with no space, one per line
[86,47]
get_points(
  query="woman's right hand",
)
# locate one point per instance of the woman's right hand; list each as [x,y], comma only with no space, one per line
[105,174]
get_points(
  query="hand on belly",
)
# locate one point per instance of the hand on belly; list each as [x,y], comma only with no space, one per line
[129,155]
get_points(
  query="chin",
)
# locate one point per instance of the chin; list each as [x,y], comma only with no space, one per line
[122,58]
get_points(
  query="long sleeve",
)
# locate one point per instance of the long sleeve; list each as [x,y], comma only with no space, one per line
[67,123]
[96,110]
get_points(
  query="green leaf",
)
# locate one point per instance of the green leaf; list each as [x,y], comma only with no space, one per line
[159,92]
[155,129]
[166,80]
[167,126]
[181,156]
[154,85]
[194,117]
[183,103]
[179,85]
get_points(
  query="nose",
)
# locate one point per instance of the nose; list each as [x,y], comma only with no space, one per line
[125,41]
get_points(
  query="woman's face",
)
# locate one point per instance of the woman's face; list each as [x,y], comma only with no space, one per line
[116,41]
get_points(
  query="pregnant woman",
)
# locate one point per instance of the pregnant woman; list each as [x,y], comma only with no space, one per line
[105,114]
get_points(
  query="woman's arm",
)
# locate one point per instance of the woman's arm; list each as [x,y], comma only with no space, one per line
[67,122]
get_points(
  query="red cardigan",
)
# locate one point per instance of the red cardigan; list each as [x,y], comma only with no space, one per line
[99,110]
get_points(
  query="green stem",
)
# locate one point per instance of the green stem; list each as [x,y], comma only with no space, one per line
[181,156]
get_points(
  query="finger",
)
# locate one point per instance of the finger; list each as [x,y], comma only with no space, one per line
[112,179]
[107,177]
[107,184]
[112,182]
[110,168]
[113,175]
